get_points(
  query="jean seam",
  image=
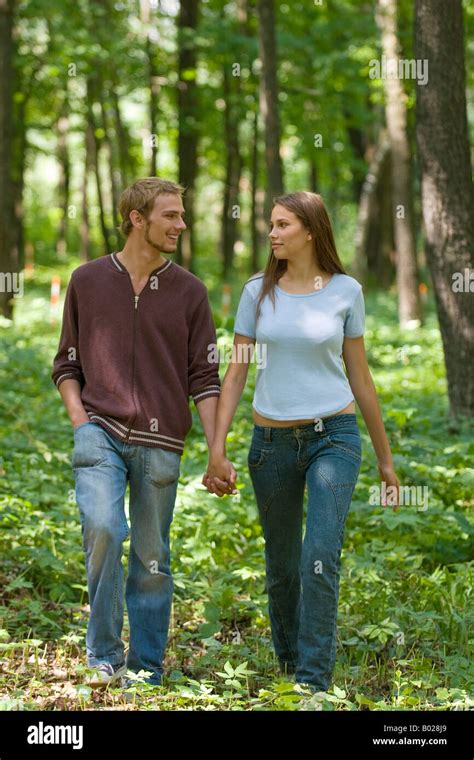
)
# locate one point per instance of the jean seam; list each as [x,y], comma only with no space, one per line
[357,457]
[287,642]
[333,650]
[114,607]
[334,493]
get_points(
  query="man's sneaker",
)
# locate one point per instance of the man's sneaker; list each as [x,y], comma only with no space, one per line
[106,673]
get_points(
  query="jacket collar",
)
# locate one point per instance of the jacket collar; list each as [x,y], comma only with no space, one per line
[120,268]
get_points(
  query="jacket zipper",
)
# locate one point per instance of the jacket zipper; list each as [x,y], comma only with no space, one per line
[133,365]
[133,354]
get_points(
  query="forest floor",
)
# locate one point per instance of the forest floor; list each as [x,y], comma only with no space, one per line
[406,578]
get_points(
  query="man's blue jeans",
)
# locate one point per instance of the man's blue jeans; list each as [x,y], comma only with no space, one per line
[102,466]
[302,577]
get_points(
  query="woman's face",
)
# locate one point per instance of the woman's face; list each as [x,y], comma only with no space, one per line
[287,234]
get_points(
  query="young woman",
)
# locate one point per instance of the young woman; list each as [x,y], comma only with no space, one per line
[307,315]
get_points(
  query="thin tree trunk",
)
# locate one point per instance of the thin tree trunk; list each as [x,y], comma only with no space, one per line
[123,139]
[20,146]
[244,11]
[254,261]
[84,227]
[447,192]
[188,122]
[96,164]
[233,170]
[381,253]
[154,87]
[114,189]
[409,308]
[358,142]
[64,174]
[154,92]
[269,101]
[368,198]
[8,255]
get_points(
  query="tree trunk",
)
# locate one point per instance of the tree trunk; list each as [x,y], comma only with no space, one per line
[233,171]
[8,255]
[409,309]
[84,228]
[154,92]
[96,163]
[188,121]
[123,140]
[114,189]
[447,193]
[358,142]
[269,101]
[24,84]
[154,87]
[254,260]
[381,253]
[64,175]
[20,146]
[367,205]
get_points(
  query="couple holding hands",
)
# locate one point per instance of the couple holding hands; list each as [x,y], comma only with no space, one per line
[134,346]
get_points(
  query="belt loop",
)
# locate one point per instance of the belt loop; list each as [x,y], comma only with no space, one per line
[268,434]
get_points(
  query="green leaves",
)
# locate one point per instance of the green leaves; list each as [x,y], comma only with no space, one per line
[405,577]
[233,676]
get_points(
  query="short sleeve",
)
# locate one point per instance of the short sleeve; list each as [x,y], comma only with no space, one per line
[354,324]
[245,318]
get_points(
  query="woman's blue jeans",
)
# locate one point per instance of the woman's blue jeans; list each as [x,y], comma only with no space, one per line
[102,466]
[302,576]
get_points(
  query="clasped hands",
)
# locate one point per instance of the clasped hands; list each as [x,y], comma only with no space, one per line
[220,476]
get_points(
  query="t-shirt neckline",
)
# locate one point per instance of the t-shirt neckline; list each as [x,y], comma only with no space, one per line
[304,295]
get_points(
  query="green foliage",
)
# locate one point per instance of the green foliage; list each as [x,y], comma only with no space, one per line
[406,583]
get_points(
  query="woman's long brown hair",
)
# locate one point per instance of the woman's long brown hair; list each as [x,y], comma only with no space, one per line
[311,211]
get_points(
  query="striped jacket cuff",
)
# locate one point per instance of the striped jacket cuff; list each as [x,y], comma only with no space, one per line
[65,376]
[208,391]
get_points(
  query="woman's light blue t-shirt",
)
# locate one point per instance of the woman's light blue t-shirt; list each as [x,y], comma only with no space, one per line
[300,373]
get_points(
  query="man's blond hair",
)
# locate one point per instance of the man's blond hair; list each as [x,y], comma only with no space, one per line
[141,197]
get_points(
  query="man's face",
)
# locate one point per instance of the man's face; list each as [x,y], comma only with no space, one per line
[165,223]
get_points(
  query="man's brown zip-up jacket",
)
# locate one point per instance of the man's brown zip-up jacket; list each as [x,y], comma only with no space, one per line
[138,358]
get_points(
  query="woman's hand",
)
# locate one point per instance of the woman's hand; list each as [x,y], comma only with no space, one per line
[220,476]
[388,476]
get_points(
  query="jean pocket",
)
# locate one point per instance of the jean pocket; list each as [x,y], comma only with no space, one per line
[161,467]
[257,457]
[346,441]
[265,477]
[88,450]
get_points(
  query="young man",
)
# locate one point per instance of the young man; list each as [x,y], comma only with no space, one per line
[133,348]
